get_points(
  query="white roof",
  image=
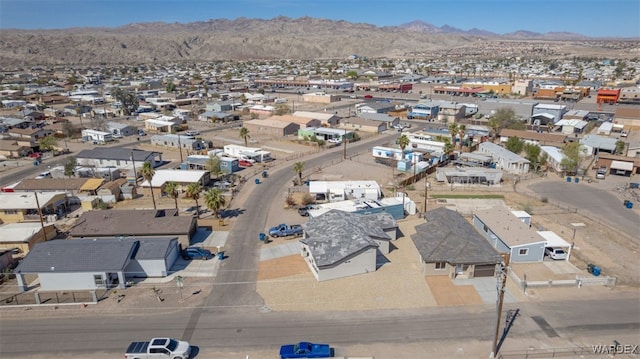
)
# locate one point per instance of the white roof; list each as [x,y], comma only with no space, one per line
[155,122]
[179,176]
[19,232]
[26,200]
[322,116]
[553,240]
[554,152]
[335,186]
[521,214]
[354,205]
[573,123]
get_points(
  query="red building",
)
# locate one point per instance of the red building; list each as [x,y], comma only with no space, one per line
[609,96]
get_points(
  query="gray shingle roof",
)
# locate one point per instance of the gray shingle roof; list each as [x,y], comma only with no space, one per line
[337,235]
[151,248]
[78,255]
[448,237]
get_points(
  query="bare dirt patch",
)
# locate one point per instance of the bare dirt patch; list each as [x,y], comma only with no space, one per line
[282,267]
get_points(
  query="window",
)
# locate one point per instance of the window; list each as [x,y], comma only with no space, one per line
[98,280]
[523,251]
[10,211]
[441,265]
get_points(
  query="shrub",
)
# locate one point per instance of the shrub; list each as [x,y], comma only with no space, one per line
[307,199]
[290,201]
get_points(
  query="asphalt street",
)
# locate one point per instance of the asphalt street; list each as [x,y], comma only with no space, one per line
[222,331]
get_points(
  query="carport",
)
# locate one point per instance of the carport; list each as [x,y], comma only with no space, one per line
[621,168]
[553,240]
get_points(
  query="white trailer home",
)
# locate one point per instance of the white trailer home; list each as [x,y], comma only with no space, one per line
[96,136]
[253,153]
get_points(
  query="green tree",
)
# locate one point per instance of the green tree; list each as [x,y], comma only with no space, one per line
[68,129]
[453,131]
[462,132]
[147,171]
[532,153]
[514,144]
[70,165]
[282,109]
[214,200]
[500,119]
[128,100]
[298,167]
[213,166]
[352,74]
[171,189]
[571,159]
[244,134]
[620,146]
[170,86]
[193,192]
[403,142]
[47,143]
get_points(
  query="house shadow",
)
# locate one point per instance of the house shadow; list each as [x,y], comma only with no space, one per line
[231,213]
[179,264]
[201,235]
[381,260]
[392,247]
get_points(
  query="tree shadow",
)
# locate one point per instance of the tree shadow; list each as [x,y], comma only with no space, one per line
[231,213]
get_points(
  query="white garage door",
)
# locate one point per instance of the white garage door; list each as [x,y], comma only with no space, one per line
[619,165]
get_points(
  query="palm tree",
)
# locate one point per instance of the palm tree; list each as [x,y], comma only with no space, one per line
[214,199]
[403,142]
[193,191]
[244,134]
[147,171]
[79,113]
[298,167]
[171,188]
[462,131]
[453,130]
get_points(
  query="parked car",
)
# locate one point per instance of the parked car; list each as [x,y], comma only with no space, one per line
[192,133]
[368,96]
[555,253]
[141,133]
[45,174]
[601,173]
[245,163]
[334,140]
[196,253]
[159,348]
[283,230]
[305,350]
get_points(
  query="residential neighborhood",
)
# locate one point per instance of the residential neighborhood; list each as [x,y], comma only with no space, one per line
[413,184]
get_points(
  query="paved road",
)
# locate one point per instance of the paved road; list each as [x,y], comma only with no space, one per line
[220,331]
[599,203]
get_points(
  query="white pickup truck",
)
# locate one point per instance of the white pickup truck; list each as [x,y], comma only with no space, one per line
[160,348]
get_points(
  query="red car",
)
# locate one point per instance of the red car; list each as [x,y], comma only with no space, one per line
[368,96]
[245,163]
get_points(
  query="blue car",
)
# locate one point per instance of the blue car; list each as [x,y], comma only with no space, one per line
[305,350]
[197,253]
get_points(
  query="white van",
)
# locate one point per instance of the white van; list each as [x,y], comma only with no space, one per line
[45,174]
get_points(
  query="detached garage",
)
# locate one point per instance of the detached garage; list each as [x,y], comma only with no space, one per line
[621,168]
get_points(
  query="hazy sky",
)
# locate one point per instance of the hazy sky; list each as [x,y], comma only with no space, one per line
[588,17]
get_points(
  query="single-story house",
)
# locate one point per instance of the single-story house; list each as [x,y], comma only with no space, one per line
[304,122]
[71,185]
[325,133]
[10,148]
[594,145]
[271,127]
[121,129]
[222,106]
[179,141]
[140,223]
[508,234]
[125,159]
[572,126]
[335,191]
[29,134]
[449,245]
[113,190]
[505,159]
[389,121]
[23,207]
[619,165]
[339,244]
[182,177]
[90,264]
[327,119]
[199,162]
[215,116]
[554,157]
[362,124]
[541,137]
[375,107]
[25,235]
[549,112]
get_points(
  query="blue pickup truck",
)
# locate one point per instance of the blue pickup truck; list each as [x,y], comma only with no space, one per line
[283,230]
[305,350]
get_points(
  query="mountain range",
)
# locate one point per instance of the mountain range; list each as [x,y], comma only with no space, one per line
[255,39]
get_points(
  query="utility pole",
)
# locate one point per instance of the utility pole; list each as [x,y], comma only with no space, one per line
[44,235]
[344,155]
[180,149]
[135,176]
[426,187]
[502,277]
